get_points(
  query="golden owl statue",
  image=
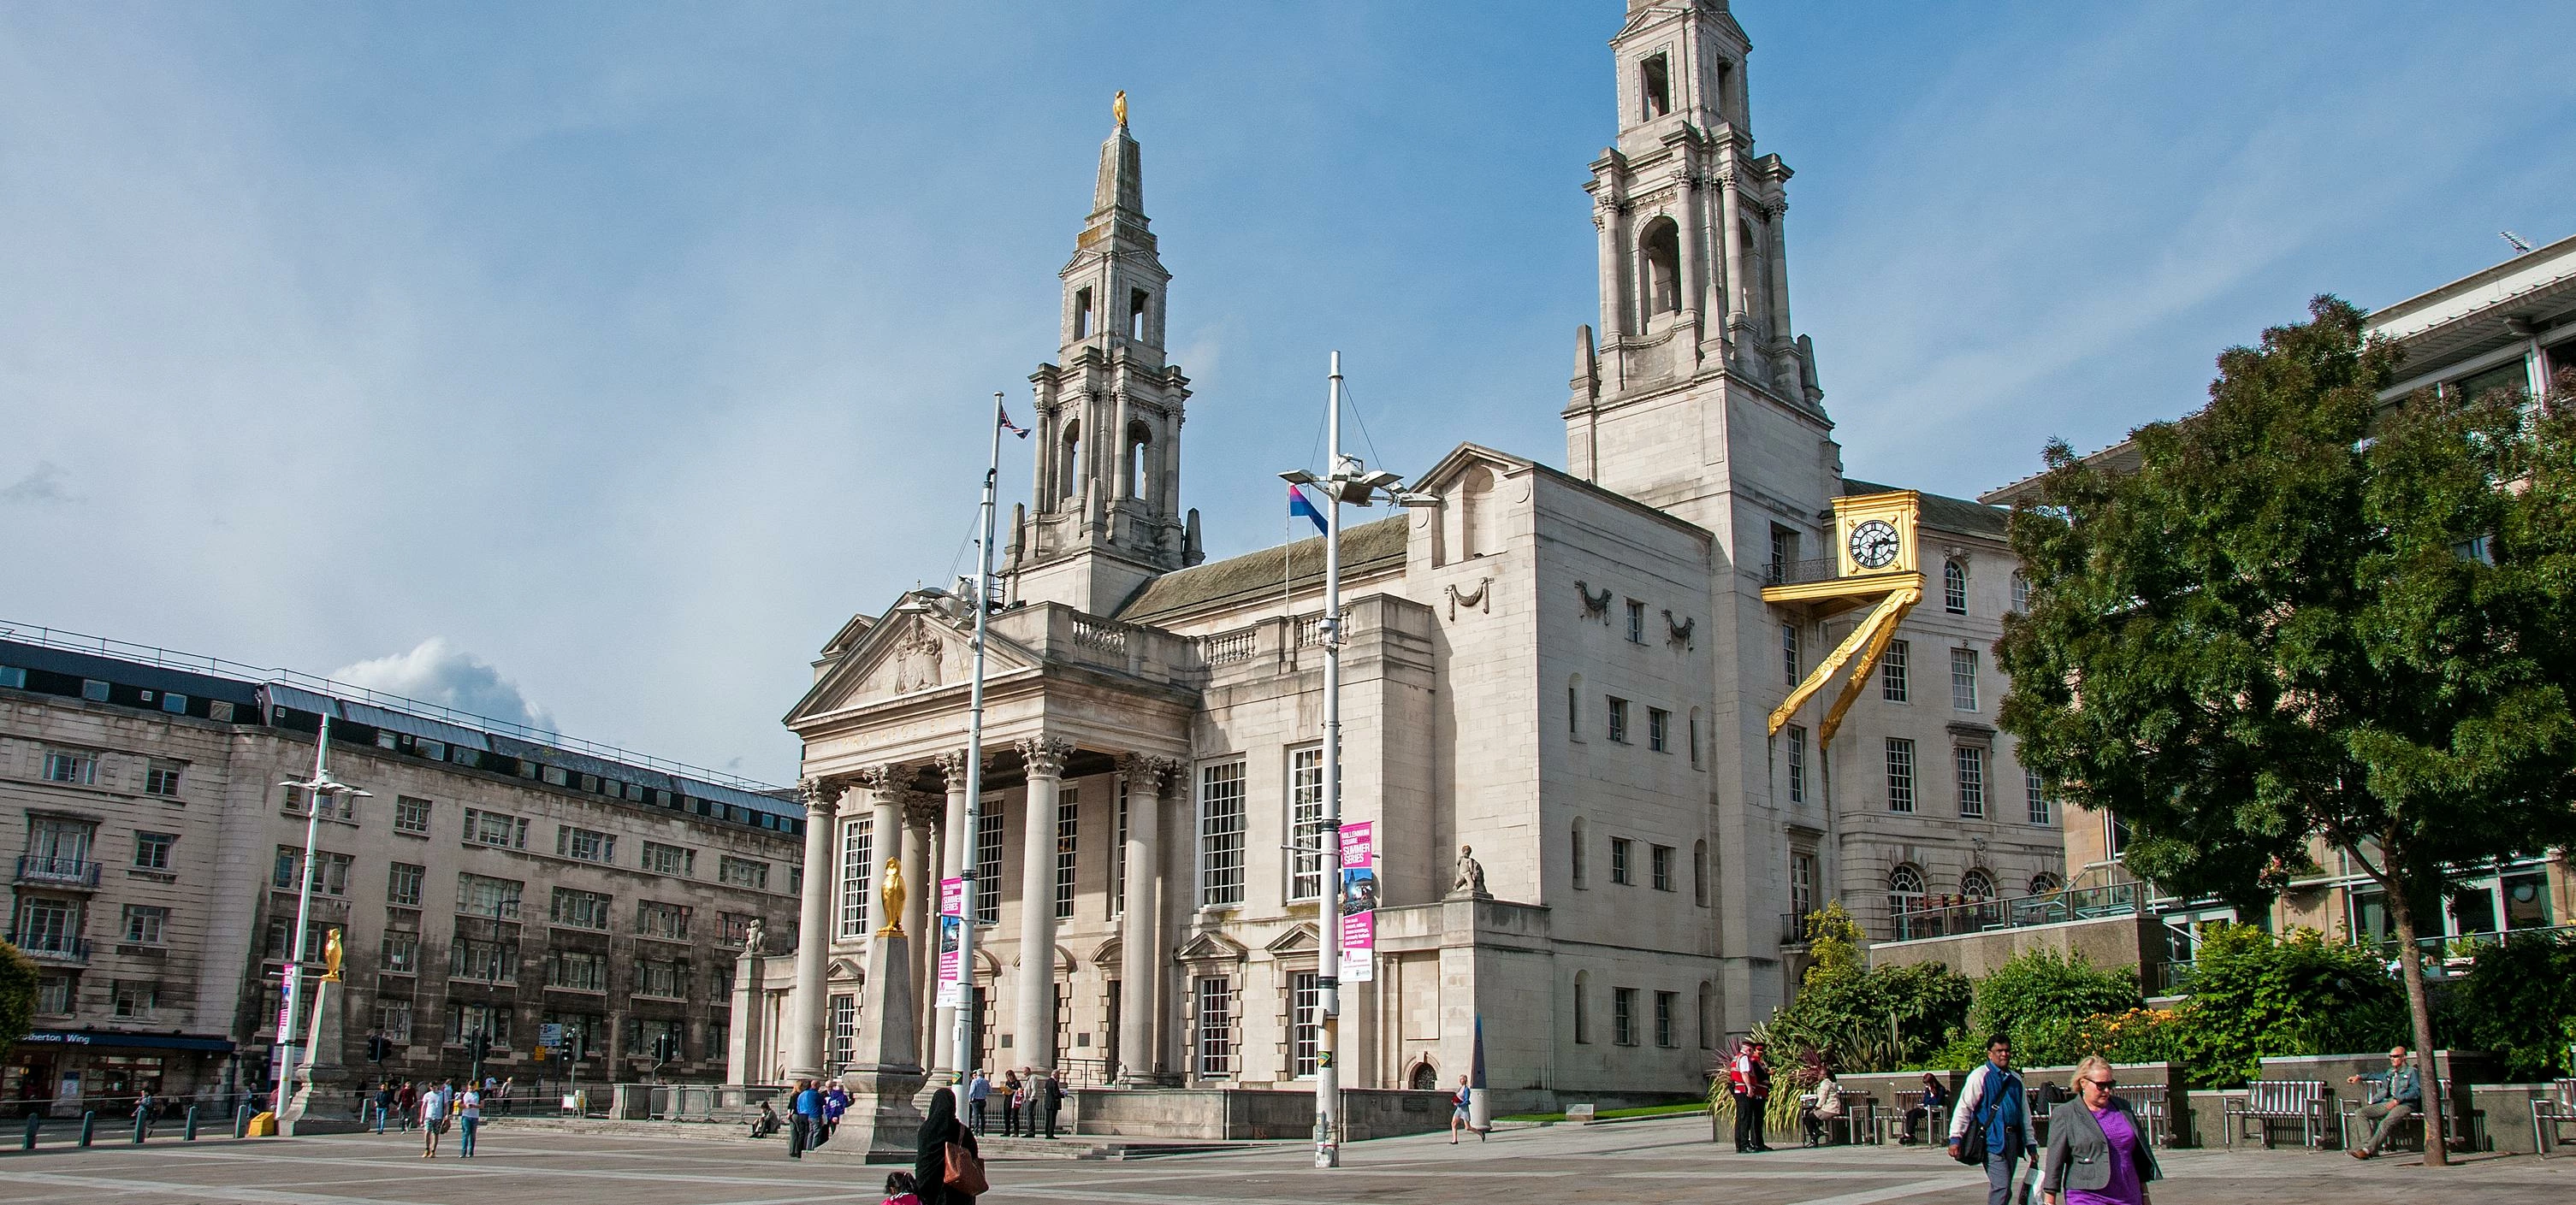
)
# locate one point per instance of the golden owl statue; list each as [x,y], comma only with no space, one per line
[890,894]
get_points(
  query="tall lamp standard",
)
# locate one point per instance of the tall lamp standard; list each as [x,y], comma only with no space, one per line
[1351,481]
[319,789]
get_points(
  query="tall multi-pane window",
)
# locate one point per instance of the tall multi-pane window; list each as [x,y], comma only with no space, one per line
[1660,866]
[1305,1024]
[2020,592]
[1636,622]
[1892,685]
[1221,833]
[1789,653]
[393,1020]
[845,1027]
[1068,808]
[1305,814]
[1797,763]
[477,895]
[665,978]
[584,845]
[1619,720]
[1216,1027]
[144,924]
[162,777]
[1574,853]
[1659,730]
[1623,1015]
[577,970]
[2035,793]
[670,859]
[742,872]
[858,853]
[1904,890]
[495,829]
[1118,855]
[1784,555]
[1900,774]
[411,814]
[579,909]
[402,884]
[1971,763]
[152,850]
[400,952]
[481,961]
[988,870]
[670,922]
[1963,679]
[1802,885]
[1665,1002]
[1954,587]
[1621,871]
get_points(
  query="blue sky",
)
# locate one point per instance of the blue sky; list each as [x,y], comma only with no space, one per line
[623,351]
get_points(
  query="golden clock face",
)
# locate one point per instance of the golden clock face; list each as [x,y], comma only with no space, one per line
[1873,544]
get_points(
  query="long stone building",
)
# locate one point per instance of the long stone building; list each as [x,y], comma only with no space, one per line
[495,881]
[1672,695]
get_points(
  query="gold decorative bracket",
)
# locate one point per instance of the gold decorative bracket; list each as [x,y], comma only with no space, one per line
[1860,651]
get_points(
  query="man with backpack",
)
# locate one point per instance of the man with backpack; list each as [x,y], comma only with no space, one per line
[1991,1126]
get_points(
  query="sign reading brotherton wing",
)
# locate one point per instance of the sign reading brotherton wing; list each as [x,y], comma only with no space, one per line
[1359,902]
[952,922]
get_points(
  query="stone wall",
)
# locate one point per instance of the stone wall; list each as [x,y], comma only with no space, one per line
[1238,1115]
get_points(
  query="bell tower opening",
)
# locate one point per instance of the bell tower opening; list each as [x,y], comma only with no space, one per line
[1655,85]
[1659,252]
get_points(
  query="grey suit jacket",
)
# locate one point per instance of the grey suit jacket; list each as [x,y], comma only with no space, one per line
[2079,1154]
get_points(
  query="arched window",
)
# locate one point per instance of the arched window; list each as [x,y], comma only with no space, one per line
[1699,873]
[1954,587]
[1582,1011]
[1904,890]
[1574,707]
[1749,277]
[1977,885]
[1426,1078]
[1138,301]
[1069,481]
[2020,592]
[2043,883]
[1707,1016]
[1659,255]
[1694,738]
[1576,850]
[1140,461]
[1476,520]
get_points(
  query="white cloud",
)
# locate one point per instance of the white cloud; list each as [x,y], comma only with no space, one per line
[435,671]
[44,483]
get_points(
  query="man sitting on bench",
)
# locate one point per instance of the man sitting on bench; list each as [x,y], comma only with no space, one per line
[2405,1099]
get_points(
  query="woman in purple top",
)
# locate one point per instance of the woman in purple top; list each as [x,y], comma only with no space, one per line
[2098,1152]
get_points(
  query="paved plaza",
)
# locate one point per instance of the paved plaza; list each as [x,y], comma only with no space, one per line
[1668,1161]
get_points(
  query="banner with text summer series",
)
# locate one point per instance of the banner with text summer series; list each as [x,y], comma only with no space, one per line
[1359,902]
[952,925]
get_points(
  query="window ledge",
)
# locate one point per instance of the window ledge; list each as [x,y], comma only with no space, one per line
[156,876]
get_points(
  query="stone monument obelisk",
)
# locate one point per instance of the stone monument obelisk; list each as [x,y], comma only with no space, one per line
[323,1101]
[883,1123]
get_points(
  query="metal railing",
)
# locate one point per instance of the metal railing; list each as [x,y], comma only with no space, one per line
[35,868]
[1791,573]
[1793,928]
[2049,908]
[52,947]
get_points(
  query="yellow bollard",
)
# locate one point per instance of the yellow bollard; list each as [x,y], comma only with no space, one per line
[264,1126]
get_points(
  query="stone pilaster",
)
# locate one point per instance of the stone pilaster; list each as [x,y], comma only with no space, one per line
[1033,1019]
[1140,937]
[812,1006]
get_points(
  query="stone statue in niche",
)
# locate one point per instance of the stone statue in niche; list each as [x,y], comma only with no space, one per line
[1469,881]
[916,662]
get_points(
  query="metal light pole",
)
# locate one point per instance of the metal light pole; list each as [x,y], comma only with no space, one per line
[318,790]
[968,1003]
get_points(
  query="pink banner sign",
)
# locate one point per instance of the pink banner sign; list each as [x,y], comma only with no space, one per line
[1359,902]
[952,931]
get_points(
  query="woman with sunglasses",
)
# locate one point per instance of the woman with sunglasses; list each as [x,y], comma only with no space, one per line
[2097,1148]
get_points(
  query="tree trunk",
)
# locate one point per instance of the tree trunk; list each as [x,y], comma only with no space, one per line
[2410,958]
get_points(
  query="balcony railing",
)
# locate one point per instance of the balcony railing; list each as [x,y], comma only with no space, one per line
[68,872]
[52,947]
[2444,956]
[2050,908]
[1791,573]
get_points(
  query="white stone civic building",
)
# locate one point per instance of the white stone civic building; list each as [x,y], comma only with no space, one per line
[1580,673]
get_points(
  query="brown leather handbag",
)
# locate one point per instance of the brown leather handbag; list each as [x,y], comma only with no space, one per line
[965,1172]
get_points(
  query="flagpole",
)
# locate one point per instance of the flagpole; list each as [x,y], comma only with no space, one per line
[1328,826]
[969,1001]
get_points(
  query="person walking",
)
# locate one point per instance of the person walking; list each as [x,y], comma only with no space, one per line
[433,1117]
[1458,1102]
[384,1104]
[1993,1100]
[939,1131]
[2097,1148]
[1934,1096]
[2405,1098]
[1750,1081]
[1013,1095]
[1821,1110]
[406,1105]
[807,1119]
[979,1094]
[145,1110]
[1051,1092]
[469,1118]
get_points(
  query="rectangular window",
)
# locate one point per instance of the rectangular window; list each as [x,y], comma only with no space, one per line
[1659,730]
[152,850]
[175,704]
[1660,864]
[1067,811]
[1623,1015]
[1305,1024]
[1694,738]
[988,868]
[495,829]
[1665,1003]
[71,766]
[402,883]
[477,960]
[579,909]
[1900,774]
[742,872]
[1118,855]
[1891,672]
[134,1000]
[669,859]
[1972,780]
[401,953]
[1305,812]
[477,895]
[55,994]
[144,924]
[13,677]
[1619,720]
[1620,870]
[584,845]
[577,970]
[1636,622]
[466,1020]
[1789,653]
[411,814]
[162,777]
[663,978]
[1784,555]
[2035,793]
[330,871]
[93,690]
[1216,1027]
[1221,834]
[2020,593]
[393,1020]
[667,921]
[1797,735]
[1802,886]
[1963,679]
[858,853]
[845,1027]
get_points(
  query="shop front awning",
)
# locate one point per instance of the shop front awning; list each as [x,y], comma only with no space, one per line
[108,1038]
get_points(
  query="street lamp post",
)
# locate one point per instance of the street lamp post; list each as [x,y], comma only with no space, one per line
[1347,480]
[319,789]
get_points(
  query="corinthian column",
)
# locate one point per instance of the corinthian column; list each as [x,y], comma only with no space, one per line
[813,932]
[921,912]
[952,863]
[1139,934]
[1033,1021]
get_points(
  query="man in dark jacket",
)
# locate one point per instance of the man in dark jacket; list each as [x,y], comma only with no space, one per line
[1752,1087]
[806,1127]
[1054,1099]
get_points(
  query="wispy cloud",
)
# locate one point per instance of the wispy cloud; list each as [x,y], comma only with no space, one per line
[43,485]
[435,671]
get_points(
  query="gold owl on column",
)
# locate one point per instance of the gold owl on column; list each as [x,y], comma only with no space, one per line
[890,894]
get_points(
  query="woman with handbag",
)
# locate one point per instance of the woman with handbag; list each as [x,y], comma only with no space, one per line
[946,1167]
[2097,1148]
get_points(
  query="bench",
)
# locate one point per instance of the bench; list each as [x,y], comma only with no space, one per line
[1891,1125]
[2154,1109]
[2267,1101]
[2353,1121]
[1854,1120]
[2550,1112]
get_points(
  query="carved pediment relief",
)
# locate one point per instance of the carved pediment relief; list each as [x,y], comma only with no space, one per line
[1301,939]
[1211,947]
[900,655]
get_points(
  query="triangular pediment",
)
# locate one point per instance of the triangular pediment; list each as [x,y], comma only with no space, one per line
[1301,939]
[843,968]
[911,650]
[1211,946]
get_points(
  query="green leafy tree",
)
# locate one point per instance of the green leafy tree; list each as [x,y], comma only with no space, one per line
[2519,1002]
[2254,995]
[2299,616]
[2038,999]
[17,995]
[1861,1018]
